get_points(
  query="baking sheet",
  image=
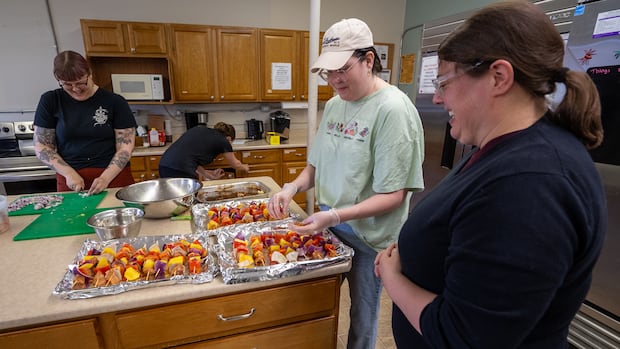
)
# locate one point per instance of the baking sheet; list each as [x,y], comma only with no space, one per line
[232,191]
[200,214]
[232,273]
[64,287]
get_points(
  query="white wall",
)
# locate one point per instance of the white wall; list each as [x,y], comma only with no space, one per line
[385,19]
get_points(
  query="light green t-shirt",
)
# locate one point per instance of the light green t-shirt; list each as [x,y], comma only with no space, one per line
[372,145]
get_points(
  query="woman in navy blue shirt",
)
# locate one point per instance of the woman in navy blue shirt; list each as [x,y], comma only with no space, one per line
[84,133]
[500,254]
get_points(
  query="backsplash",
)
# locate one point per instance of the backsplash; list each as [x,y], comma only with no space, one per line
[234,114]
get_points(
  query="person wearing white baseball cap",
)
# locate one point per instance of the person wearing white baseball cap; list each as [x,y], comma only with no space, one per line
[365,163]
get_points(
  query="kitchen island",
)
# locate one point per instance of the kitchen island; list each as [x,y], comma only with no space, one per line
[298,311]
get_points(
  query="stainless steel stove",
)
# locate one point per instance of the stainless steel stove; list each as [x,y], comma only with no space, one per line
[21,172]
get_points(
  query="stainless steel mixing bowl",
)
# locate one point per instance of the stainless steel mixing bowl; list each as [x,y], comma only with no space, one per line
[117,223]
[161,198]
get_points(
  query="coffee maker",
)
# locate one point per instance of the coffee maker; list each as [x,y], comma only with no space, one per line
[280,122]
[196,118]
[255,129]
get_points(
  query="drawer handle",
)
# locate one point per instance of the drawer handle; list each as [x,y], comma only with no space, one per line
[258,157]
[236,317]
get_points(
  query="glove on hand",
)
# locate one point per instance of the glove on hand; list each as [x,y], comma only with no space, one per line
[279,202]
[318,222]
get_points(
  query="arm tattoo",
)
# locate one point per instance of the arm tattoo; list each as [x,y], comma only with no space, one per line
[124,136]
[46,138]
[121,159]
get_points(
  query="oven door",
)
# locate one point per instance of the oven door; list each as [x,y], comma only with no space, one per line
[25,175]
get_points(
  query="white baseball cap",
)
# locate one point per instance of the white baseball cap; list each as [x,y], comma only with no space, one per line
[339,43]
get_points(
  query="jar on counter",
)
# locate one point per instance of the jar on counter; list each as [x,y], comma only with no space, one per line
[154,138]
[4,214]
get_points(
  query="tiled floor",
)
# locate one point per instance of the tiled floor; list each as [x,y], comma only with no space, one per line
[384,337]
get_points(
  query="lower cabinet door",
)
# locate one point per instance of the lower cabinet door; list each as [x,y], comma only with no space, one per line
[78,334]
[319,334]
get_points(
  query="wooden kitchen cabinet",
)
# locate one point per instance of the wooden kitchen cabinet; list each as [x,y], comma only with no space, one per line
[123,38]
[237,64]
[214,64]
[276,317]
[279,64]
[324,91]
[232,315]
[285,337]
[82,334]
[144,168]
[293,162]
[114,47]
[289,47]
[193,64]
[266,162]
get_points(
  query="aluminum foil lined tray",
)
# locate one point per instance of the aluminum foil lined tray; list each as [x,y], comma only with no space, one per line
[214,216]
[297,252]
[232,191]
[198,271]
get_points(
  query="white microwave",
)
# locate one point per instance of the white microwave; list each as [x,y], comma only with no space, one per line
[138,86]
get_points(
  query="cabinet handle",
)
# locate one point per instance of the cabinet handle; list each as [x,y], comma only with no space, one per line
[258,157]
[236,317]
[221,97]
[133,50]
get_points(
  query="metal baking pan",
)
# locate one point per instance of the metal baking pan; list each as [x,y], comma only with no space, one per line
[232,191]
[232,273]
[65,290]
[201,215]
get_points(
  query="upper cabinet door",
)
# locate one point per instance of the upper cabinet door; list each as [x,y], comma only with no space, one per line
[325,91]
[279,62]
[237,64]
[123,38]
[103,36]
[192,62]
[145,38]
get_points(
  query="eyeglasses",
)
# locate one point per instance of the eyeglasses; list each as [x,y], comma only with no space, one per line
[72,85]
[441,82]
[325,74]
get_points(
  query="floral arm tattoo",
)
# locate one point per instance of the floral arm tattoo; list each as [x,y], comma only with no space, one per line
[124,146]
[44,140]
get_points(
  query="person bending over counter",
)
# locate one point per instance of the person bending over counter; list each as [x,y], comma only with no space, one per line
[197,147]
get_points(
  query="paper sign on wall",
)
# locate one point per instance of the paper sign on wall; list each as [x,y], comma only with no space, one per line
[407,63]
[281,76]
[428,72]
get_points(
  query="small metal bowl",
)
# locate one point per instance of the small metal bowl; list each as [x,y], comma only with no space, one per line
[161,198]
[117,223]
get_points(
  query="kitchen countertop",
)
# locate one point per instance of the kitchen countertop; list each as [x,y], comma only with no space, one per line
[296,139]
[33,268]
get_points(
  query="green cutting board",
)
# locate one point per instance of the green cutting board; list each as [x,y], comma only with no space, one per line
[68,218]
[58,223]
[70,202]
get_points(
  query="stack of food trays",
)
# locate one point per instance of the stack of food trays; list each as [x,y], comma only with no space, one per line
[270,250]
[114,266]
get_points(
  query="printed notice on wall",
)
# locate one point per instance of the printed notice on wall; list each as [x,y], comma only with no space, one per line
[407,64]
[428,72]
[607,24]
[281,76]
